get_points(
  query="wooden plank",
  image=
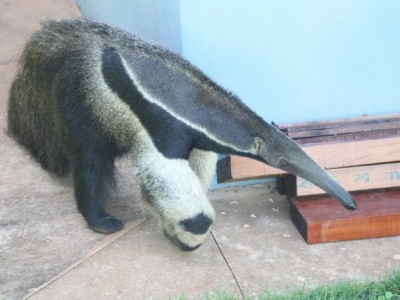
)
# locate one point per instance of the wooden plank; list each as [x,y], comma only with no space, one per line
[330,156]
[364,120]
[235,168]
[352,179]
[356,153]
[344,130]
[348,137]
[250,168]
[321,220]
[327,131]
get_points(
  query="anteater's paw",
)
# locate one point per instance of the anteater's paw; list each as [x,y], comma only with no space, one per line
[106,224]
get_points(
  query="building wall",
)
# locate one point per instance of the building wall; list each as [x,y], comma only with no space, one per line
[299,60]
[155,20]
[288,60]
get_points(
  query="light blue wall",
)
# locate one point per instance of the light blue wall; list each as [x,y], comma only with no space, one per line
[288,60]
[299,60]
[155,20]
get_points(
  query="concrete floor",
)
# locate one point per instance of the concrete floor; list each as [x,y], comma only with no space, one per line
[47,252]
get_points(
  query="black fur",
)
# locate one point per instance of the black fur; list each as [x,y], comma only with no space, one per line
[179,243]
[172,137]
[92,152]
[185,247]
[197,225]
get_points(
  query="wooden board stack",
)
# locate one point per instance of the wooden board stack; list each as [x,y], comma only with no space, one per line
[363,154]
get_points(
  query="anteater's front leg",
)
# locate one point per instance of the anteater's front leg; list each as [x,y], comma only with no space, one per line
[203,164]
[176,195]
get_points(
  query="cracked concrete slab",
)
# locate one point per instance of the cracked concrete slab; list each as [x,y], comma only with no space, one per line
[254,230]
[143,264]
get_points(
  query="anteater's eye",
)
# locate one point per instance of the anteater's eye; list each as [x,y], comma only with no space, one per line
[282,162]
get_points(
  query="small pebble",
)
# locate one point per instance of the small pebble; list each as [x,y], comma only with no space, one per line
[246,225]
[223,213]
[396,256]
[233,202]
[271,200]
[253,216]
[286,235]
[301,278]
[275,209]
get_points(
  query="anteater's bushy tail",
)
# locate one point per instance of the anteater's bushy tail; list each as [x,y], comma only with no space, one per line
[33,116]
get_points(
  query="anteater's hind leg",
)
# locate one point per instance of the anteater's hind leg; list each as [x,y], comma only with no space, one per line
[93,180]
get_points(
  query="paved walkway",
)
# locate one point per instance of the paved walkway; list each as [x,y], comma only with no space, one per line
[47,252]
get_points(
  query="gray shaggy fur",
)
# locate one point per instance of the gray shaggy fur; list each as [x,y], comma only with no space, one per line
[86,93]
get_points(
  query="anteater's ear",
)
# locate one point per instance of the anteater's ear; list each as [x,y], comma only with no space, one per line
[258,143]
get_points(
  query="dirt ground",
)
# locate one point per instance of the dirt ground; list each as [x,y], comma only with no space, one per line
[47,252]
